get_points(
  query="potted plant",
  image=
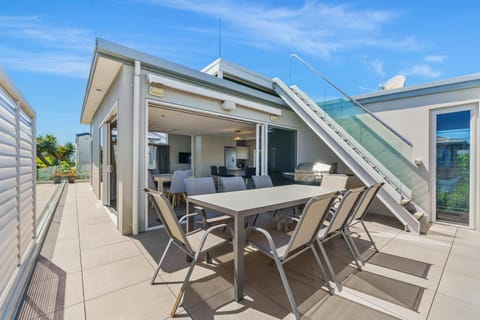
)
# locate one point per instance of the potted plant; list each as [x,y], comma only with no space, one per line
[57,176]
[71,175]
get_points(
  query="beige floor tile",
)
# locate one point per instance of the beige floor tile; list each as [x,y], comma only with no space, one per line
[463,262]
[139,301]
[338,308]
[100,239]
[68,261]
[51,295]
[205,282]
[67,245]
[447,308]
[463,288]
[223,306]
[95,257]
[75,312]
[107,278]
[108,227]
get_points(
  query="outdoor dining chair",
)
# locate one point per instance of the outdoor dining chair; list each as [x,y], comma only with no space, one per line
[360,213]
[336,181]
[277,247]
[193,244]
[205,185]
[232,184]
[336,226]
[263,181]
[177,190]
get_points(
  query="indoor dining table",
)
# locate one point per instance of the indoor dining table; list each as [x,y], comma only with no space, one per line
[245,203]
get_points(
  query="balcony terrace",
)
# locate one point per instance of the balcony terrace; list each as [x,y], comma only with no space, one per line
[88,270]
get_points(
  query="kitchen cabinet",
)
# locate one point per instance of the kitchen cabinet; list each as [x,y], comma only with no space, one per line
[242,153]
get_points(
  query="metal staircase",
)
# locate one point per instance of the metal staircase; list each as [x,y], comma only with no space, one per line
[372,150]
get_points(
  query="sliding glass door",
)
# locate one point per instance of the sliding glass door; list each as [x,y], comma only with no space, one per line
[453,166]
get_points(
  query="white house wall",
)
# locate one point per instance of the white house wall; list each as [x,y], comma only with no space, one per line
[309,148]
[411,118]
[120,93]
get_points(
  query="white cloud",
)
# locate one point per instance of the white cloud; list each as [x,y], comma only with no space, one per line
[314,28]
[423,70]
[377,66]
[435,58]
[34,45]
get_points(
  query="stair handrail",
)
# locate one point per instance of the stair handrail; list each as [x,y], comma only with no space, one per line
[314,70]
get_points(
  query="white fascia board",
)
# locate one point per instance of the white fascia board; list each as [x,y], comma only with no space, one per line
[182,86]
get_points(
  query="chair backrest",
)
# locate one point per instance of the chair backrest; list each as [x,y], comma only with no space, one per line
[262,181]
[197,186]
[178,181]
[214,170]
[312,217]
[366,201]
[222,170]
[165,213]
[151,182]
[345,209]
[336,181]
[249,172]
[232,184]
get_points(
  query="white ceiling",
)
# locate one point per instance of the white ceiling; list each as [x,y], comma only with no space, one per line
[105,72]
[187,123]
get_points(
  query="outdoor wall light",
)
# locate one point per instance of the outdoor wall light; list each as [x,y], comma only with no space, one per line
[228,105]
[156,91]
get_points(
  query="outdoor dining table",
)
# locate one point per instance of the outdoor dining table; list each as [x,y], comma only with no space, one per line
[161,179]
[245,203]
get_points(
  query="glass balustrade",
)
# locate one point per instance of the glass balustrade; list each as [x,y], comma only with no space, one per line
[385,149]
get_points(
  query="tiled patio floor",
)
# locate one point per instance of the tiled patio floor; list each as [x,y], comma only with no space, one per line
[87,270]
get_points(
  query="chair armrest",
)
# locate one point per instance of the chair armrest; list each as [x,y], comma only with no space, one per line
[182,219]
[205,235]
[269,238]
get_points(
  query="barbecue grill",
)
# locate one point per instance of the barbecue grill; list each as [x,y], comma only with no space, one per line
[312,172]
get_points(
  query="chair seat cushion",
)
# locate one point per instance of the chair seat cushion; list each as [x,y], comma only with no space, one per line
[280,240]
[213,240]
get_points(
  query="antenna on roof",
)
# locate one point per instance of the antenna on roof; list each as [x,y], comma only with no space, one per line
[220,37]
[396,82]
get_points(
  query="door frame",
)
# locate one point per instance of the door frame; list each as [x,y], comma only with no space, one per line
[104,127]
[473,203]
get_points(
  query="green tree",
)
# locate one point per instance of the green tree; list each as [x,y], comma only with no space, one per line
[46,146]
[65,152]
[50,153]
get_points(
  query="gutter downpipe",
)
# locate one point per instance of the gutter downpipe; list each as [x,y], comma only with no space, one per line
[309,66]
[136,135]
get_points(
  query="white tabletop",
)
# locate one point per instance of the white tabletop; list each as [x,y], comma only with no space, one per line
[241,204]
[251,201]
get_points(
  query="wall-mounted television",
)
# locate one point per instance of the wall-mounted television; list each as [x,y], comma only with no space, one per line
[184,157]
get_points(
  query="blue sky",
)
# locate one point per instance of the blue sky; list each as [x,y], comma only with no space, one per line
[46,47]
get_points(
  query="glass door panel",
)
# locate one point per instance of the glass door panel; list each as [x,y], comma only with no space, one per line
[453,167]
[282,154]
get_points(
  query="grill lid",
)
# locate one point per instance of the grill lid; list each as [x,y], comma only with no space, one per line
[313,167]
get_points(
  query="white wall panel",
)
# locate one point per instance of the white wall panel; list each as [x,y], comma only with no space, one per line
[17,189]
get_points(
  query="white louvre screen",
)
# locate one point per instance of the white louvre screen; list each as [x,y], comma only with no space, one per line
[17,190]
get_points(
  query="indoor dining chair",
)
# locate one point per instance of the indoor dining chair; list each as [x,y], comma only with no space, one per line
[177,190]
[229,184]
[205,185]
